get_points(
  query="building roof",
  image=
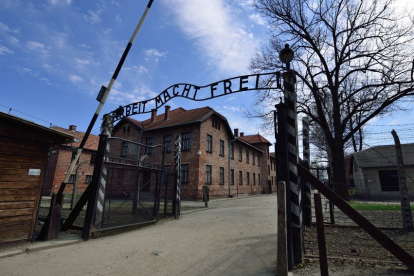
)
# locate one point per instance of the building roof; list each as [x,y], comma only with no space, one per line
[255,139]
[181,116]
[384,156]
[91,143]
[29,124]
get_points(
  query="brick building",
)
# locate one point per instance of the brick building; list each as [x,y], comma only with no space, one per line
[212,154]
[60,157]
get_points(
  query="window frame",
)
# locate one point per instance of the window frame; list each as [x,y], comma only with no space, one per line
[221,148]
[209,146]
[209,174]
[186,142]
[221,175]
[185,173]
[167,143]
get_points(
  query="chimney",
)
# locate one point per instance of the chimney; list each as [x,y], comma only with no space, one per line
[236,132]
[241,134]
[153,115]
[72,128]
[167,112]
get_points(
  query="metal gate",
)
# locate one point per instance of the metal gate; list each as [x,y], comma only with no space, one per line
[130,185]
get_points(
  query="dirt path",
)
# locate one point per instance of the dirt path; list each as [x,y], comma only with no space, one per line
[232,237]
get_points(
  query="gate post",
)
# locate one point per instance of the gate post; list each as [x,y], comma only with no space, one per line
[289,81]
[283,173]
[93,196]
[177,187]
[307,202]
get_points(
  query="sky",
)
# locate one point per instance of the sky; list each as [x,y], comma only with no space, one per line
[56,54]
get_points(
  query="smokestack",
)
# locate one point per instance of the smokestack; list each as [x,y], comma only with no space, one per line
[72,128]
[241,134]
[153,115]
[167,112]
[236,132]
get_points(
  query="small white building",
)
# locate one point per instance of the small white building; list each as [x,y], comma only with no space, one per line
[375,174]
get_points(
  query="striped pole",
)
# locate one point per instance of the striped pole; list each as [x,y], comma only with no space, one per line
[103,94]
[289,80]
[307,208]
[100,203]
[177,167]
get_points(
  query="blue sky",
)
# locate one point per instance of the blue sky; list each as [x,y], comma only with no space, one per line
[56,54]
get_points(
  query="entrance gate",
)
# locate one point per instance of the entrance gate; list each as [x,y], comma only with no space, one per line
[135,185]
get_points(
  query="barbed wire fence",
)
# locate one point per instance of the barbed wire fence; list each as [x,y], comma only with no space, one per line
[373,183]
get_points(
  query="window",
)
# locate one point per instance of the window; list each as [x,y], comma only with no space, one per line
[389,180]
[272,180]
[258,160]
[73,157]
[124,151]
[248,178]
[186,142]
[216,124]
[209,143]
[240,154]
[167,143]
[240,178]
[254,178]
[88,179]
[221,175]
[149,144]
[208,174]
[253,159]
[72,178]
[268,169]
[221,147]
[127,129]
[93,159]
[232,176]
[231,151]
[260,181]
[247,156]
[184,173]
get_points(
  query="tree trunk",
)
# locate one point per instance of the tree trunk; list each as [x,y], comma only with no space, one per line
[338,171]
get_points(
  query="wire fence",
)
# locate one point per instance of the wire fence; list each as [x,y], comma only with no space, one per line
[374,189]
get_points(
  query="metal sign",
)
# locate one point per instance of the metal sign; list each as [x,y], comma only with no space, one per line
[199,93]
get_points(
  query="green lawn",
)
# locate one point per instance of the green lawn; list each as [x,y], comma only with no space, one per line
[378,207]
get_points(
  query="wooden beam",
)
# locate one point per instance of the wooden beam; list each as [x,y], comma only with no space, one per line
[362,222]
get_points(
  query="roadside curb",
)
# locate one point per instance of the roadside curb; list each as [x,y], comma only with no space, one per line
[64,241]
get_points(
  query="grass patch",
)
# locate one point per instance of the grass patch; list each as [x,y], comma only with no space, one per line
[377,207]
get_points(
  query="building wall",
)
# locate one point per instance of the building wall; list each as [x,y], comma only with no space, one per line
[368,186]
[59,161]
[199,162]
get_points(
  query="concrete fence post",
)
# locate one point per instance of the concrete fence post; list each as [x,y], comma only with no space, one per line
[282,254]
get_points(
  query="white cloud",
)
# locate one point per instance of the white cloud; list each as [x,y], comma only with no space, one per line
[57,2]
[140,93]
[116,3]
[82,62]
[94,16]
[14,40]
[6,28]
[257,18]
[75,78]
[246,4]
[118,19]
[29,71]
[83,45]
[5,50]
[137,69]
[37,47]
[154,55]
[217,32]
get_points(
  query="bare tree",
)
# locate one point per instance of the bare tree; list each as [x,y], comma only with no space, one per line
[353,60]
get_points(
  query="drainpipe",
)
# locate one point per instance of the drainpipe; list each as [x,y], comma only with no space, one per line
[231,141]
[261,176]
